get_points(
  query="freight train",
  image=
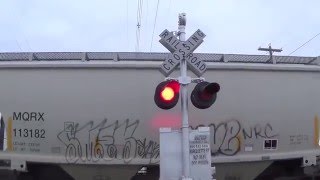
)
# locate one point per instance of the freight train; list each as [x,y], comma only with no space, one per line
[93,116]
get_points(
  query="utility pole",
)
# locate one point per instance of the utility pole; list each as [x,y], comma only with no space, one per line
[270,50]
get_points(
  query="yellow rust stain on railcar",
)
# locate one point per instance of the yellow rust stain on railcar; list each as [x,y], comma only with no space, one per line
[316,131]
[9,135]
[98,148]
[239,137]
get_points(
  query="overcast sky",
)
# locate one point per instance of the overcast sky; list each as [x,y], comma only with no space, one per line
[231,26]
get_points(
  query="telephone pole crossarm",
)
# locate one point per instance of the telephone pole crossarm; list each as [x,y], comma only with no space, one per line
[270,50]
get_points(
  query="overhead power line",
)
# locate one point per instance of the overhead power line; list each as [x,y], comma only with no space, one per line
[168,14]
[19,23]
[139,17]
[18,45]
[154,25]
[147,11]
[127,22]
[304,44]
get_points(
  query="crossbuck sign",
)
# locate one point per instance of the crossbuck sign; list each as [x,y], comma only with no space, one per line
[181,50]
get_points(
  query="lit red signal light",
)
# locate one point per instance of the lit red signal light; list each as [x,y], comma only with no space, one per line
[167,94]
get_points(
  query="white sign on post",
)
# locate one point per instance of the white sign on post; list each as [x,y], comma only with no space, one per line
[170,154]
[200,153]
[181,50]
[171,159]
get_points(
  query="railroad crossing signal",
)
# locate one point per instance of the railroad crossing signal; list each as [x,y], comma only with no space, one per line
[167,92]
[182,50]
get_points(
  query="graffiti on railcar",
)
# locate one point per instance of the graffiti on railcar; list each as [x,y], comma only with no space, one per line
[116,140]
[106,142]
[227,136]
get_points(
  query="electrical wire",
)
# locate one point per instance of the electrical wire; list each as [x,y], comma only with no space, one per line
[137,29]
[19,20]
[127,23]
[138,26]
[169,9]
[304,44]
[19,17]
[140,22]
[154,25]
[146,23]
[141,9]
[18,45]
[139,17]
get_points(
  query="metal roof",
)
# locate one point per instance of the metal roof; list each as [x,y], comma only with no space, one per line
[135,56]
